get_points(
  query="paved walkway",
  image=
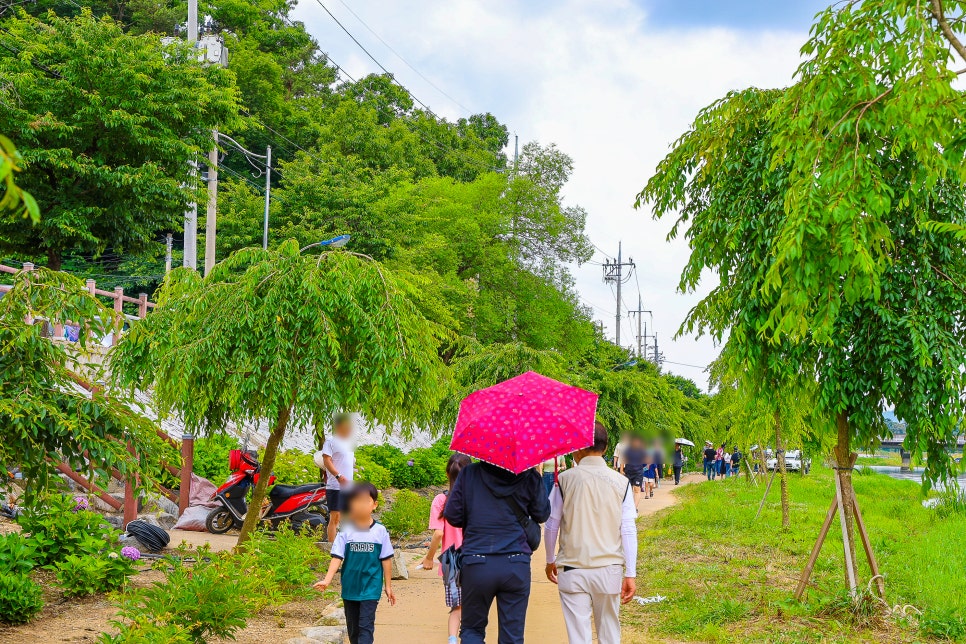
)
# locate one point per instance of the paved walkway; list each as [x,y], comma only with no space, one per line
[419,616]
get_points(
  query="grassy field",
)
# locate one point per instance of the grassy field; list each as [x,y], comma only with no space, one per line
[729,578]
[884,459]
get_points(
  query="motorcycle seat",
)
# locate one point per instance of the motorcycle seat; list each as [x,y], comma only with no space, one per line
[292,490]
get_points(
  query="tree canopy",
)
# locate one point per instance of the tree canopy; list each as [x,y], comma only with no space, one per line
[106,123]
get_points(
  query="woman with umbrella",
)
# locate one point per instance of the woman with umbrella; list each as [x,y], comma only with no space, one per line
[499,503]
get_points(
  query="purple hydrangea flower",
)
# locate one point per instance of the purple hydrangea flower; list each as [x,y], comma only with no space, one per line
[410,463]
[80,503]
[131,553]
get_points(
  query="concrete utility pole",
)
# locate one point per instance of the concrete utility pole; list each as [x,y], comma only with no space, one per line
[167,252]
[211,217]
[641,332]
[191,215]
[268,192]
[614,273]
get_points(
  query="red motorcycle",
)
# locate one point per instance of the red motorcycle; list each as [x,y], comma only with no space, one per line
[301,505]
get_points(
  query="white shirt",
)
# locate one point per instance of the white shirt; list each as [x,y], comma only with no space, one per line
[343,459]
[628,530]
[727,457]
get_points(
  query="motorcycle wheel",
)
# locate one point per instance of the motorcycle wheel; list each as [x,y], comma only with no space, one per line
[219,521]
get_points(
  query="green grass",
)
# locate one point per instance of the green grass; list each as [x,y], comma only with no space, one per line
[730,578]
[886,459]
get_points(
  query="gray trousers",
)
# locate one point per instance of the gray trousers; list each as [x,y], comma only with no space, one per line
[591,594]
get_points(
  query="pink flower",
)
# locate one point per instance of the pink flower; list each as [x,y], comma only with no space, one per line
[80,503]
[131,553]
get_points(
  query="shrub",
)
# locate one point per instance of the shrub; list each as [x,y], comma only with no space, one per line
[288,561]
[82,575]
[384,455]
[58,529]
[369,470]
[20,598]
[408,514]
[293,467]
[16,554]
[211,457]
[209,600]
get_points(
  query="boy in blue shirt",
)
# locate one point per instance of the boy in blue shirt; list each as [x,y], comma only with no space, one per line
[363,552]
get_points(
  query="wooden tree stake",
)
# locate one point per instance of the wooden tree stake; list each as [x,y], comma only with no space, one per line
[849,564]
[867,546]
[829,517]
[767,489]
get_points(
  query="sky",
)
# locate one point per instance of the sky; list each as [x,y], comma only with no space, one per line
[612,82]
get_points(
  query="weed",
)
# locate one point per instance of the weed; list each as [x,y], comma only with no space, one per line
[943,624]
[82,575]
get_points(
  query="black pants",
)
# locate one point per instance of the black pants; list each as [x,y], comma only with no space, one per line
[505,578]
[677,474]
[360,620]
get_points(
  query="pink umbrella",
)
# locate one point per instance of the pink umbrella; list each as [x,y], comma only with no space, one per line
[523,421]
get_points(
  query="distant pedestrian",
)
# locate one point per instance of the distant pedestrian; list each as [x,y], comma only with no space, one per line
[338,460]
[658,463]
[635,457]
[726,463]
[719,461]
[736,461]
[622,445]
[594,566]
[549,469]
[445,536]
[492,506]
[363,552]
[677,463]
[709,454]
[650,476]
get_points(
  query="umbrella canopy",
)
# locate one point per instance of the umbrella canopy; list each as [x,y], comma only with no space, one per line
[524,421]
[683,441]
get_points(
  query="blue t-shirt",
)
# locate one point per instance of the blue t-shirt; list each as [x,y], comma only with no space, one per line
[650,471]
[362,552]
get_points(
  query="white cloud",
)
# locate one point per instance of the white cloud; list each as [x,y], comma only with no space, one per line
[592,76]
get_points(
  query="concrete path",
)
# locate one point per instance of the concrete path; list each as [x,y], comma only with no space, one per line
[419,616]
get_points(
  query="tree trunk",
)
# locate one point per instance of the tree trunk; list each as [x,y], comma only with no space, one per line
[844,460]
[782,470]
[268,462]
[54,261]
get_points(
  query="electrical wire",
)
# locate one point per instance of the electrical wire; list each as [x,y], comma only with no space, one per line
[682,364]
[373,58]
[399,56]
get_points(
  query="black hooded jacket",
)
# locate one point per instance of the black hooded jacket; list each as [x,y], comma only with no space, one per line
[477,504]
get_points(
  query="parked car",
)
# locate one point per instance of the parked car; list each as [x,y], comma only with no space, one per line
[793,461]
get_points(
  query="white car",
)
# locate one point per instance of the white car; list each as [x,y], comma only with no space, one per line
[793,461]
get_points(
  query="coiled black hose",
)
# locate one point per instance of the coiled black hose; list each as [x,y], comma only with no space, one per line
[151,536]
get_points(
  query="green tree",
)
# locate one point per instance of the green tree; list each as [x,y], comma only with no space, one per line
[15,200]
[107,124]
[45,417]
[815,205]
[287,336]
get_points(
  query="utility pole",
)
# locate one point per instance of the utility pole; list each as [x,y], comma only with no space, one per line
[641,332]
[191,214]
[211,217]
[657,356]
[167,252]
[268,192]
[614,273]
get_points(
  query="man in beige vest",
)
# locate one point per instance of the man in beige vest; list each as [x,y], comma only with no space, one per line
[595,568]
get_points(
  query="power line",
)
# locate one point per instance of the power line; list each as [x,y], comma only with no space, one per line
[400,57]
[681,364]
[373,58]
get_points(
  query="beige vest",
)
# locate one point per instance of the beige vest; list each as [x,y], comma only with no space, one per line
[590,528]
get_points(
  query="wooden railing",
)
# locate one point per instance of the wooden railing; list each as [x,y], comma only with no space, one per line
[117,296]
